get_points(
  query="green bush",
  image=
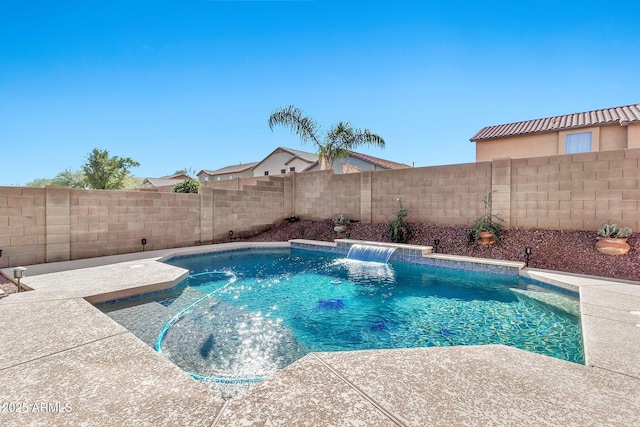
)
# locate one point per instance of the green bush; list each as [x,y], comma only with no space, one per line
[398,230]
[187,186]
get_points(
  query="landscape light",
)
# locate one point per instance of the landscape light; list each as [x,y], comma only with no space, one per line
[436,242]
[527,254]
[18,273]
[230,233]
[144,242]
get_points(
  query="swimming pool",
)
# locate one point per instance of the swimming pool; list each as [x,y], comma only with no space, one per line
[243,315]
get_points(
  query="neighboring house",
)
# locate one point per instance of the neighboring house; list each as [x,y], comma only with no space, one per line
[286,160]
[164,183]
[358,162]
[242,170]
[598,130]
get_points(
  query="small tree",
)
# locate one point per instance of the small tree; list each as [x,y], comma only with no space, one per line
[186,186]
[103,172]
[399,231]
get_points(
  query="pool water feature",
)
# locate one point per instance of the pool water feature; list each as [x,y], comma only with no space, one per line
[370,253]
[244,315]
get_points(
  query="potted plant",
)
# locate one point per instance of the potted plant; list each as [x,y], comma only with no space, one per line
[612,240]
[340,223]
[486,229]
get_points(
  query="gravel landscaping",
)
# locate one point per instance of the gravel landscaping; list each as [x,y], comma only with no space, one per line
[568,251]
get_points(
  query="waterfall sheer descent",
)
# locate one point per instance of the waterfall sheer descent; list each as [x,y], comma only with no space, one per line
[370,253]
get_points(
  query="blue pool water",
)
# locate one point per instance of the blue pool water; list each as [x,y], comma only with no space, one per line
[243,315]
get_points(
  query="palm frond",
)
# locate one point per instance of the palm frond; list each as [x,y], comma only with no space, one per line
[293,117]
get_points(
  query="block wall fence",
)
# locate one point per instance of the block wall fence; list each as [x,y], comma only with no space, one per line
[566,192]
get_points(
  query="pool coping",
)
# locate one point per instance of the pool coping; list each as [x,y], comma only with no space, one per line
[611,337]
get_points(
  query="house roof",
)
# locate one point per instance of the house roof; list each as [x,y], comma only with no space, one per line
[310,158]
[617,115]
[180,175]
[230,169]
[160,182]
[386,164]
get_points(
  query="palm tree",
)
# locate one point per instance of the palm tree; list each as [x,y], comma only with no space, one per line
[341,138]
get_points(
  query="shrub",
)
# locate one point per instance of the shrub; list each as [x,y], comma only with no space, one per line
[398,230]
[341,220]
[488,222]
[610,230]
[186,186]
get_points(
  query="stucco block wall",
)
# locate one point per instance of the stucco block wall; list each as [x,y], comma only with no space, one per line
[323,194]
[443,195]
[566,192]
[576,191]
[114,222]
[22,226]
[247,212]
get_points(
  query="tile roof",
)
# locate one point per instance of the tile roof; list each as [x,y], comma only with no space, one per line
[607,116]
[161,182]
[304,155]
[386,164]
[230,169]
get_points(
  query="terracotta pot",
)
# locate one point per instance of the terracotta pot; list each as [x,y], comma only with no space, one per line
[613,246]
[486,239]
[340,228]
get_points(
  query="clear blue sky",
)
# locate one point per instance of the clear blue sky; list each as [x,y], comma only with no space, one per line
[191,83]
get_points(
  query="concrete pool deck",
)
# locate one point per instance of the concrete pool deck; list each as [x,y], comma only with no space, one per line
[63,362]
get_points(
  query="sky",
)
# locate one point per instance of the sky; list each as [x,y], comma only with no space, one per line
[190,84]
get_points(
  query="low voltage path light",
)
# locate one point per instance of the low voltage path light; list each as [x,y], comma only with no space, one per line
[144,243]
[348,234]
[230,234]
[436,242]
[527,255]
[18,273]
[302,232]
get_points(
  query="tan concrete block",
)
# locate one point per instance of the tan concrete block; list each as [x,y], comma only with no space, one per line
[583,195]
[623,184]
[623,205]
[20,201]
[23,240]
[597,166]
[571,224]
[631,194]
[596,185]
[583,214]
[605,175]
[623,164]
[537,196]
[548,204]
[563,175]
[570,186]
[558,214]
[598,204]
[572,167]
[58,229]
[609,194]
[631,173]
[548,186]
[585,175]
[610,155]
[632,153]
[549,223]
[584,157]
[539,178]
